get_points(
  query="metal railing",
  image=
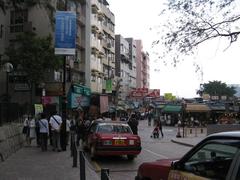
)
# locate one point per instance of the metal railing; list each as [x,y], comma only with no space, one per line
[84,162]
[11,112]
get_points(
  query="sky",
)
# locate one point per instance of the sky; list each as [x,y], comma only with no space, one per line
[135,18]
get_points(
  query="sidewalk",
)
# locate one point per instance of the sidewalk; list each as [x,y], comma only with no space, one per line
[189,140]
[30,163]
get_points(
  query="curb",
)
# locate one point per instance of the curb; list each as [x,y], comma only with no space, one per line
[182,143]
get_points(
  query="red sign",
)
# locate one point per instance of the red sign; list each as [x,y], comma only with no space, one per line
[139,92]
[155,93]
[136,94]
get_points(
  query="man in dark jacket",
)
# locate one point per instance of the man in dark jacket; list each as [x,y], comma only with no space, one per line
[133,123]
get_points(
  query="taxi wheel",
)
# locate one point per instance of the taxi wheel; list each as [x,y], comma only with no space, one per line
[131,157]
[92,152]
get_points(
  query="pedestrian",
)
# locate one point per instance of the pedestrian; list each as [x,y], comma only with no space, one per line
[32,129]
[133,123]
[159,124]
[44,131]
[68,125]
[37,130]
[56,122]
[149,116]
[26,130]
[80,127]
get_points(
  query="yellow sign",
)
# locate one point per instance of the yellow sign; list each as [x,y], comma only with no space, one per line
[38,108]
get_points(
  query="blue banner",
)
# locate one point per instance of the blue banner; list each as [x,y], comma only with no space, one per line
[65,33]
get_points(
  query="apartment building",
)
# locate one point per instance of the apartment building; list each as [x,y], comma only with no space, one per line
[40,19]
[125,56]
[86,72]
[142,66]
[132,65]
[102,46]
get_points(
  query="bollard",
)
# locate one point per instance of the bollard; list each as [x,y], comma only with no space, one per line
[201,130]
[190,131]
[71,145]
[82,165]
[2,159]
[104,174]
[195,131]
[74,155]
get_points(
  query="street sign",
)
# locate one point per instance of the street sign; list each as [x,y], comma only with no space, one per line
[65,33]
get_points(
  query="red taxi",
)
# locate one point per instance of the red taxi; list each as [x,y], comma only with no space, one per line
[217,157]
[112,138]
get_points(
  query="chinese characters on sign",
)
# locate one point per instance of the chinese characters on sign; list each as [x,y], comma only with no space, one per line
[65,33]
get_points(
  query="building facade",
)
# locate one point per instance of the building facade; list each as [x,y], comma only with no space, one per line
[87,71]
[142,66]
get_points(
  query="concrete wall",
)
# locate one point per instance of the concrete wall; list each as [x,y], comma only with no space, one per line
[11,140]
[215,128]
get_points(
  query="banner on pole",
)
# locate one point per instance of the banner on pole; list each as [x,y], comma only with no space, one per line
[65,33]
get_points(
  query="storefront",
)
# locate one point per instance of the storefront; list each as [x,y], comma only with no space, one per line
[197,113]
[171,113]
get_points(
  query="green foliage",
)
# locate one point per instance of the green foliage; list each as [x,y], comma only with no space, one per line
[217,88]
[34,54]
[186,24]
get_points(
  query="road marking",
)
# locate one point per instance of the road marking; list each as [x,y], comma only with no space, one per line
[156,154]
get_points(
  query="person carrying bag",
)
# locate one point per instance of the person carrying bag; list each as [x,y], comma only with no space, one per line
[56,122]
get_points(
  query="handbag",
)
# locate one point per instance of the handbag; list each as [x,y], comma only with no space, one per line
[25,129]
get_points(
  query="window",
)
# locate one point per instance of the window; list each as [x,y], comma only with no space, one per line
[212,161]
[17,20]
[105,129]
[93,78]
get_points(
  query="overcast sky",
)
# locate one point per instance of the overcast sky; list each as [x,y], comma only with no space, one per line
[134,18]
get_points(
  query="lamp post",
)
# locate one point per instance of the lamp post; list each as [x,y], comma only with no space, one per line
[64,100]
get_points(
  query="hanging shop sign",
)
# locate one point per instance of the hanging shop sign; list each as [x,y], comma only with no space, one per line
[108,86]
[79,89]
[77,100]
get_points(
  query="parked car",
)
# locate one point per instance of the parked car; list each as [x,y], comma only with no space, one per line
[217,157]
[112,138]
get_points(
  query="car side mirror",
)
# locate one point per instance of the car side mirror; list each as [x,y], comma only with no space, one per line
[176,165]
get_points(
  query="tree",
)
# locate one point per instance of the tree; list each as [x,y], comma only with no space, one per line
[217,88]
[193,22]
[34,54]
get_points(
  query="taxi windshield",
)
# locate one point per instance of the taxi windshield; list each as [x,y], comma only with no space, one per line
[110,128]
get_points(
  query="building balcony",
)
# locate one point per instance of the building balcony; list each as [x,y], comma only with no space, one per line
[101,16]
[95,29]
[95,8]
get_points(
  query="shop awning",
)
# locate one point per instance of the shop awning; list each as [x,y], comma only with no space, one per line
[171,108]
[197,108]
[217,107]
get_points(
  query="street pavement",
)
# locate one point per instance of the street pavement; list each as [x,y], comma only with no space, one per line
[30,163]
